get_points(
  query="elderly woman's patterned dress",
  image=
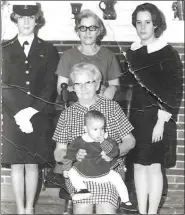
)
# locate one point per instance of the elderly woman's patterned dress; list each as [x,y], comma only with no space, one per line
[70,125]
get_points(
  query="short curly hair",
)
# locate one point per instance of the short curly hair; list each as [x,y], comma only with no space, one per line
[87,14]
[87,68]
[158,18]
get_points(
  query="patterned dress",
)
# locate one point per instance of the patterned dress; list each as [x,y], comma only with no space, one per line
[70,126]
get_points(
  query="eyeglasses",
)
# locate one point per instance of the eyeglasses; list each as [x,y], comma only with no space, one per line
[87,84]
[91,28]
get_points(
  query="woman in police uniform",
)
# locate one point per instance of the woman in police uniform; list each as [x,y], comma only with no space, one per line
[29,91]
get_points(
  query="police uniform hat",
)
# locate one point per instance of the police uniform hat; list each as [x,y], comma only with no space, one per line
[28,9]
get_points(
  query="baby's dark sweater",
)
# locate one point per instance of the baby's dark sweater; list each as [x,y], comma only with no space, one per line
[93,165]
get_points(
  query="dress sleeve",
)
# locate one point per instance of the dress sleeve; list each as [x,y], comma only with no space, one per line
[72,150]
[173,88]
[9,93]
[64,65]
[122,124]
[48,92]
[110,147]
[62,133]
[114,70]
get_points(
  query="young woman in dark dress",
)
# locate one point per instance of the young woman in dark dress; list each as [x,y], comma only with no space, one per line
[29,90]
[156,73]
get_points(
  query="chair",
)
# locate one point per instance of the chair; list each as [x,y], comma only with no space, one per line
[55,180]
[124,98]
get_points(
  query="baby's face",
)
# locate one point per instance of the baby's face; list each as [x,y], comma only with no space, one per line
[96,129]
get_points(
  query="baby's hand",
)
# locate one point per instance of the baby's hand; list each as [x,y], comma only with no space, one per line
[105,157]
[65,174]
[81,154]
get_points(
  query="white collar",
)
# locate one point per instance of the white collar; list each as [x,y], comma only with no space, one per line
[152,47]
[23,38]
[86,138]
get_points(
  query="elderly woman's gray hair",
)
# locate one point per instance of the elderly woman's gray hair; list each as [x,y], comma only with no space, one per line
[87,68]
[87,14]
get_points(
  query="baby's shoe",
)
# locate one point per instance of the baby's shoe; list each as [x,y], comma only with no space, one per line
[82,194]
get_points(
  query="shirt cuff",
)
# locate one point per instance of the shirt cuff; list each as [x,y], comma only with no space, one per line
[164,115]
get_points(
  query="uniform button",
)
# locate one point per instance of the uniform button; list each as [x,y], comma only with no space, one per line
[27,72]
[26,61]
[27,82]
[28,93]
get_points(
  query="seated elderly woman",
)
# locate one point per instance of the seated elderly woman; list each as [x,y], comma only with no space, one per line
[86,80]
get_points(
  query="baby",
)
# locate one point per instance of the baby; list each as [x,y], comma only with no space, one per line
[93,168]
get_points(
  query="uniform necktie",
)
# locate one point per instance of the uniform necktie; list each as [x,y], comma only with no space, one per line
[24,44]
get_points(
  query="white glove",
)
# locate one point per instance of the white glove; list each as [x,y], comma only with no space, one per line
[25,114]
[164,115]
[22,119]
[26,127]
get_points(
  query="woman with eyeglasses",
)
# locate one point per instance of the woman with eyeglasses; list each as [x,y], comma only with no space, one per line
[86,79]
[91,30]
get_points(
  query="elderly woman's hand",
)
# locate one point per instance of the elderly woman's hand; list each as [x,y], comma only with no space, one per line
[109,92]
[105,157]
[60,152]
[70,88]
[81,154]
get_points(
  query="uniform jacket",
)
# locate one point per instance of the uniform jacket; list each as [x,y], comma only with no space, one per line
[28,82]
[33,74]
